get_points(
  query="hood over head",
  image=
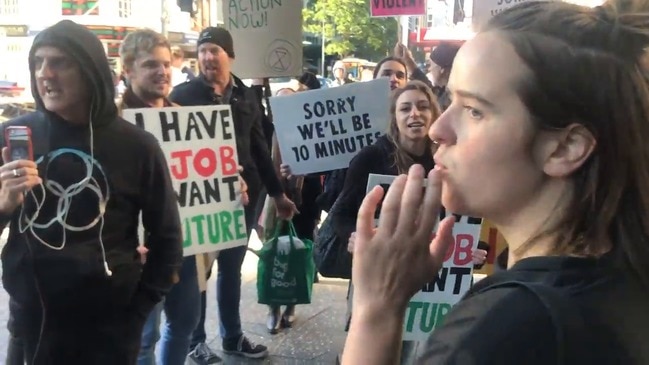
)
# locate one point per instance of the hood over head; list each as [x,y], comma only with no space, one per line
[86,49]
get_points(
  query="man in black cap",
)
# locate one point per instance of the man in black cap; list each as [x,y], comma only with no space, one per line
[441,61]
[216,85]
[439,65]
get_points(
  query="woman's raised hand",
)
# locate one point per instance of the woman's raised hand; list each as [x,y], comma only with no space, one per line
[397,259]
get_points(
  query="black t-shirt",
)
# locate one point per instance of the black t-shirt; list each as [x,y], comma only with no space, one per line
[512,326]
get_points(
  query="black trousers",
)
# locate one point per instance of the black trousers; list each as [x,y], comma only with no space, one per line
[15,351]
[73,338]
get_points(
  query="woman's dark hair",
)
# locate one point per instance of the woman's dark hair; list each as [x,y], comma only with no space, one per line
[587,66]
[390,58]
[402,160]
[309,80]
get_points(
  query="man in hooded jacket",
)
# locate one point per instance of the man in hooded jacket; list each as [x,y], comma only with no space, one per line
[79,293]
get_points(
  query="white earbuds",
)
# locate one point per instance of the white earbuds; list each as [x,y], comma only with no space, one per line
[65,196]
[108,272]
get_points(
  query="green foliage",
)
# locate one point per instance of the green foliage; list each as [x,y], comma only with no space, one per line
[349,30]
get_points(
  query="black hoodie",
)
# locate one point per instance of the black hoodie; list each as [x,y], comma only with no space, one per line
[130,171]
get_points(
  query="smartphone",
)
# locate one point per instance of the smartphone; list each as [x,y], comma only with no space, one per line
[19,142]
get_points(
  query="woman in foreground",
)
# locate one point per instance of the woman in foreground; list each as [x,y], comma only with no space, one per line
[546,137]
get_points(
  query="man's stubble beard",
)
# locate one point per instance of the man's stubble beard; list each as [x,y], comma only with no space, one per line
[151,94]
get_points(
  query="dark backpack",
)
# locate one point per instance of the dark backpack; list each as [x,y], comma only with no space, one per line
[333,186]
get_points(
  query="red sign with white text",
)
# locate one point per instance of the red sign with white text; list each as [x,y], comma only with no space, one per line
[383,8]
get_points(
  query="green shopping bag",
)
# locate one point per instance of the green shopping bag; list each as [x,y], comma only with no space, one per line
[286,269]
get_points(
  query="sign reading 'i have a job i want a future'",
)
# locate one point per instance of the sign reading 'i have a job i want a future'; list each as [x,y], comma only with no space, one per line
[200,148]
[428,307]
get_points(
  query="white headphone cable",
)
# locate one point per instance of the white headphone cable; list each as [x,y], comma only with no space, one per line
[65,197]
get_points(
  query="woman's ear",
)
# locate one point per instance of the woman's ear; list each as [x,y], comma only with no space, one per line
[565,151]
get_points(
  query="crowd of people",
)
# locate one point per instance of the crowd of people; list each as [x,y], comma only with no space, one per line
[538,124]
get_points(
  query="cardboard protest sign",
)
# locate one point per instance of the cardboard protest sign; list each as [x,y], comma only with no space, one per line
[200,148]
[427,308]
[483,10]
[383,8]
[322,130]
[267,37]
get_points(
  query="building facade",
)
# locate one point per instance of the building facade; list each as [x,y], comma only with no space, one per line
[110,20]
[452,21]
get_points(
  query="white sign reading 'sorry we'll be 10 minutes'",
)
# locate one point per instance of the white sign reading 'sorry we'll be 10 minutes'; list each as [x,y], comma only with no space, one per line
[322,130]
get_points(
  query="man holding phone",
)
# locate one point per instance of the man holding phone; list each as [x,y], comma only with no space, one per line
[79,293]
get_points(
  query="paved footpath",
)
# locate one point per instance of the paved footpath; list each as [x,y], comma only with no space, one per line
[316,338]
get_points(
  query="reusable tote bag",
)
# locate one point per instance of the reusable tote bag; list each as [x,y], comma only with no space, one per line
[285,271]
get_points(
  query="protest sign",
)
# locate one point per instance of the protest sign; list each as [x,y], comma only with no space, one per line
[322,130]
[200,148]
[267,37]
[427,309]
[383,8]
[483,10]
[497,245]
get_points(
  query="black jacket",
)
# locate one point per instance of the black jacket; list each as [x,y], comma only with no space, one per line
[266,122]
[252,148]
[130,171]
[600,313]
[374,159]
